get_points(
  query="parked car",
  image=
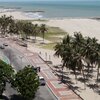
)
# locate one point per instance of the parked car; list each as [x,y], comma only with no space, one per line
[24,45]
[5,44]
[42,80]
[2,47]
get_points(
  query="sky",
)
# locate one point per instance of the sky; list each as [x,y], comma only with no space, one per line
[49,0]
[46,0]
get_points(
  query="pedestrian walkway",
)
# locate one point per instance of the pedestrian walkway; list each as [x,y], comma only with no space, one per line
[60,90]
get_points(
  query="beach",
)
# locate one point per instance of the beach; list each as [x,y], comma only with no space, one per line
[22,15]
[88,27]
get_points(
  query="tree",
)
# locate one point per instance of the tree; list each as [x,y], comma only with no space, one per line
[4,24]
[6,75]
[27,28]
[19,25]
[26,82]
[36,30]
[13,28]
[63,49]
[43,29]
[79,53]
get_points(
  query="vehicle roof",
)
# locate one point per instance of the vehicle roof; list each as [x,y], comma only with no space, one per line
[40,77]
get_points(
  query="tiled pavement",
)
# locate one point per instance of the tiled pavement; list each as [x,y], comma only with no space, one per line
[60,90]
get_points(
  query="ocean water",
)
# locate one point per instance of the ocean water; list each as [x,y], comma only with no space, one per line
[55,9]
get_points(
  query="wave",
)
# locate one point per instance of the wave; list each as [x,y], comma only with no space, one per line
[2,10]
[33,15]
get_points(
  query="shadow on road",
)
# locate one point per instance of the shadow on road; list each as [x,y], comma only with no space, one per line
[3,98]
[16,97]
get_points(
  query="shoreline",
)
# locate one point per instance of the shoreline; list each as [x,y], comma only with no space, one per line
[87,26]
[36,14]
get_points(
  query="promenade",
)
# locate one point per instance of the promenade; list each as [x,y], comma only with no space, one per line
[60,90]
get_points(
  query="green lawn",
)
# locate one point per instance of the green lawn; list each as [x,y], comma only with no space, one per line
[49,46]
[53,34]
[39,20]
[55,31]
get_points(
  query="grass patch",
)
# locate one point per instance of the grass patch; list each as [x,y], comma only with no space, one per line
[55,31]
[53,34]
[49,46]
[39,20]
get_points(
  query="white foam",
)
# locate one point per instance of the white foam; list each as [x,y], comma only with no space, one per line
[2,10]
[33,15]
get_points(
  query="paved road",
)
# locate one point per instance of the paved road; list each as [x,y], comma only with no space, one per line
[18,61]
[44,94]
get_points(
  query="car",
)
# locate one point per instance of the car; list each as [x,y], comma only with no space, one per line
[42,80]
[2,47]
[24,45]
[5,44]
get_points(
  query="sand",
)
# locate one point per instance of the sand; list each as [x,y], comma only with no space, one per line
[17,15]
[88,27]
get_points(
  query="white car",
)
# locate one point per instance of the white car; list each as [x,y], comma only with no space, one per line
[42,80]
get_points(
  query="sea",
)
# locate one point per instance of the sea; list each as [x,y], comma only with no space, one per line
[54,9]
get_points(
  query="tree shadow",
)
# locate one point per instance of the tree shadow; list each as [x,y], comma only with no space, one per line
[81,79]
[74,88]
[38,96]
[3,97]
[98,81]
[66,80]
[90,71]
[89,75]
[97,91]
[59,71]
[77,73]
[16,97]
[93,86]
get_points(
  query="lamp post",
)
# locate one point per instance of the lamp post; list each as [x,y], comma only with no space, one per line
[49,58]
[46,56]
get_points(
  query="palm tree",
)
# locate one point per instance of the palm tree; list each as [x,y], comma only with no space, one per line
[19,25]
[43,29]
[79,53]
[35,30]
[63,49]
[13,29]
[4,24]
[28,28]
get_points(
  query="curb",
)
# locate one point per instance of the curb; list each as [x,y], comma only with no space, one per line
[52,91]
[47,83]
[67,83]
[76,93]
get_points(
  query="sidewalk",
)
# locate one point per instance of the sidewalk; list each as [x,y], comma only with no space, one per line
[60,90]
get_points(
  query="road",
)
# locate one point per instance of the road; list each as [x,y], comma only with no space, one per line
[19,61]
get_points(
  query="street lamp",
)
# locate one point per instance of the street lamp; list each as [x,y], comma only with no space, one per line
[49,58]
[46,56]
